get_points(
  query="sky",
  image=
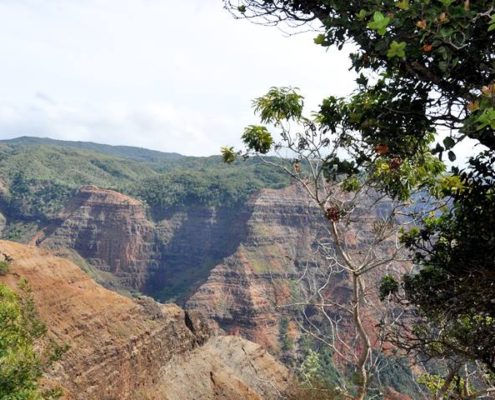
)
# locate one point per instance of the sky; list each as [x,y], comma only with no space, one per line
[175,76]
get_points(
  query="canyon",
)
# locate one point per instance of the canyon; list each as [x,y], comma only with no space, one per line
[239,267]
[116,347]
[235,266]
[245,266]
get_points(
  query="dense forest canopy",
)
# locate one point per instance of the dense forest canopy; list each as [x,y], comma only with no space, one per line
[39,175]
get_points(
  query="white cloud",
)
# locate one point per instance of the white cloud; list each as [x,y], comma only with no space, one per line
[174,76]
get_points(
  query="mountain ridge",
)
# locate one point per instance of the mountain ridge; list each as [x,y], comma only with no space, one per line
[131,152]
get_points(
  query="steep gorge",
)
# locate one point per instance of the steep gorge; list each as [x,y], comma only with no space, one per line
[166,255]
[239,266]
[119,348]
[243,292]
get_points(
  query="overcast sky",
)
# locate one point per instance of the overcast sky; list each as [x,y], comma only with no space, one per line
[169,75]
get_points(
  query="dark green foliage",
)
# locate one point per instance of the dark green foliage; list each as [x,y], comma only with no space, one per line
[418,47]
[34,198]
[257,138]
[394,372]
[287,343]
[388,286]
[42,174]
[424,66]
[126,152]
[20,366]
[4,267]
[31,320]
[329,376]
[211,186]
[317,368]
[390,372]
[455,287]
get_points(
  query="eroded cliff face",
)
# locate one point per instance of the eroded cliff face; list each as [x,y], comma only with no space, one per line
[243,292]
[108,229]
[119,348]
[190,242]
[167,254]
[278,264]
[240,267]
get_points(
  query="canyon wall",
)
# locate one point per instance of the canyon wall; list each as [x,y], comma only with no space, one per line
[164,253]
[241,266]
[109,230]
[243,292]
[122,348]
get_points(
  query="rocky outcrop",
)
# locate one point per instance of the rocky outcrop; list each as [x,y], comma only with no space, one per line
[119,348]
[278,263]
[246,371]
[243,292]
[108,229]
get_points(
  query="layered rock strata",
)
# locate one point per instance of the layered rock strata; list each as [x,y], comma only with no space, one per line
[243,292]
[279,265]
[119,348]
[108,229]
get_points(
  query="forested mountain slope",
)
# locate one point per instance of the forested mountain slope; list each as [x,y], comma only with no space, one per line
[38,176]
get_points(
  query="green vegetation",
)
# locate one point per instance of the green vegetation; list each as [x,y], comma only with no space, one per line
[4,267]
[20,366]
[210,185]
[40,175]
[21,362]
[457,271]
[325,166]
[426,83]
[287,343]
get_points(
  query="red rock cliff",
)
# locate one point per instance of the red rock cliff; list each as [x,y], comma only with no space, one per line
[125,349]
[108,229]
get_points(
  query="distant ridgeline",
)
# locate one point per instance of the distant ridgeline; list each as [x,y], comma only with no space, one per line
[37,176]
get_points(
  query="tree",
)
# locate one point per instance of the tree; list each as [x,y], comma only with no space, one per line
[363,225]
[20,366]
[22,335]
[426,71]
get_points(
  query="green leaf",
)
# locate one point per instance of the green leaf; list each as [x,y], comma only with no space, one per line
[397,49]
[403,4]
[361,15]
[279,104]
[379,23]
[448,142]
[487,119]
[257,138]
[491,27]
[447,3]
[228,154]
[320,39]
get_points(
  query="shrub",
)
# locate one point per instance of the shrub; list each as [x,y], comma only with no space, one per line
[4,267]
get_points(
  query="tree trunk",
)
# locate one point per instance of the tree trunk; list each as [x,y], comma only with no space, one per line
[362,371]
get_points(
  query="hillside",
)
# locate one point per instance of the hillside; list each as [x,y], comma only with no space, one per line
[38,176]
[121,348]
[231,242]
